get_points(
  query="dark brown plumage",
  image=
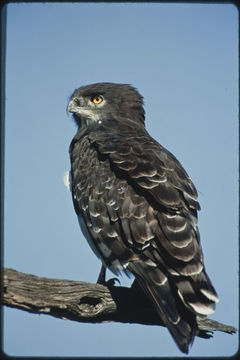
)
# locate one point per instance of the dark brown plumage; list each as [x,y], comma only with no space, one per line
[137,206]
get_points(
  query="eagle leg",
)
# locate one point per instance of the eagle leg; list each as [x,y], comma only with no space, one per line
[102,278]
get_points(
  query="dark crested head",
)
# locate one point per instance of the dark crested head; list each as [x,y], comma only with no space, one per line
[101,101]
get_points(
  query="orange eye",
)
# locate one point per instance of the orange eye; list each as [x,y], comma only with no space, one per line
[97,99]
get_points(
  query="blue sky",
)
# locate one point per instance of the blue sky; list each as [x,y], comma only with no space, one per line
[183,58]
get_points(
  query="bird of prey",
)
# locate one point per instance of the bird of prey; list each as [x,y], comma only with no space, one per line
[137,206]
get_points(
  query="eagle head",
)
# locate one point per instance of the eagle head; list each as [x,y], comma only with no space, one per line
[97,102]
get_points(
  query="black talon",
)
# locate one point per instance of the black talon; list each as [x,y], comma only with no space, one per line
[111,282]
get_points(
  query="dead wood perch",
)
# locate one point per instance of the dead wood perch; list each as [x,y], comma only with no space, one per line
[85,302]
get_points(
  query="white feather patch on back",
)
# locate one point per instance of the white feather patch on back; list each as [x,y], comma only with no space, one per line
[67,180]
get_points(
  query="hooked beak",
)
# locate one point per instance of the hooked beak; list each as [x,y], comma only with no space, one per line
[72,107]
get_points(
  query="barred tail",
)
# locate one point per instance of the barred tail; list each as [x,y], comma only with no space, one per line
[180,321]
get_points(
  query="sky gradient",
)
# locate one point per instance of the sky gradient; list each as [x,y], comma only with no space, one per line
[183,58]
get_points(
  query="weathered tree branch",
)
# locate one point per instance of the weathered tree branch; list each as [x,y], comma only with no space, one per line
[85,302]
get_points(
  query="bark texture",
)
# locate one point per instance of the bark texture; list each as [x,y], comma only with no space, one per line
[86,302]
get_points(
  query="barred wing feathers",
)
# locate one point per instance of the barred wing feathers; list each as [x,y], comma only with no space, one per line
[138,209]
